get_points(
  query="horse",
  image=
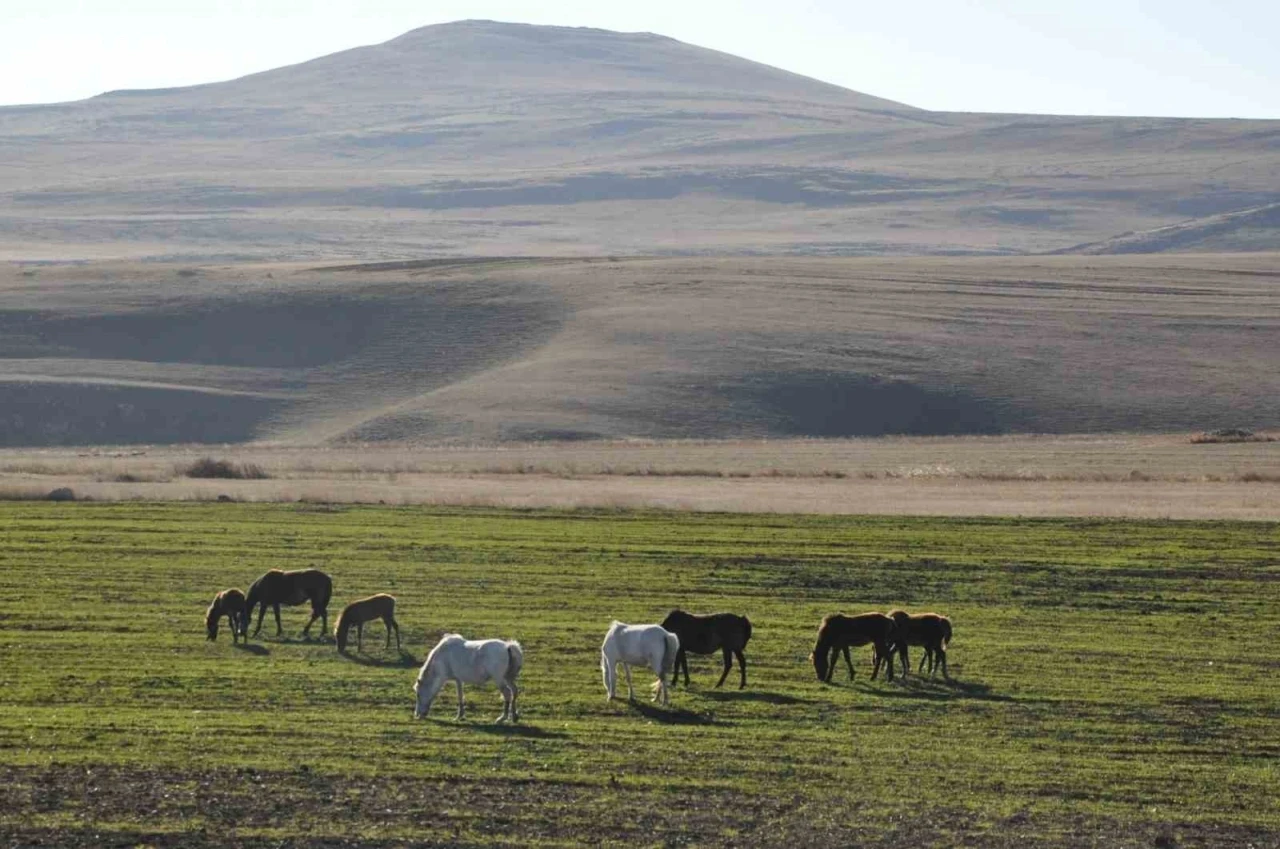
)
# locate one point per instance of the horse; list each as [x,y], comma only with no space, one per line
[928,630]
[837,633]
[645,645]
[289,588]
[380,606]
[473,662]
[727,632]
[228,603]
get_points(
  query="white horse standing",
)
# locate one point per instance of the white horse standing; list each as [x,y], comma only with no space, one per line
[472,662]
[644,645]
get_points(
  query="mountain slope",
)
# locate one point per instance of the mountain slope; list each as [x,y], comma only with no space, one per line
[521,349]
[498,139]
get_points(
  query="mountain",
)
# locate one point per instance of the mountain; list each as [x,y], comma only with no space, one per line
[501,139]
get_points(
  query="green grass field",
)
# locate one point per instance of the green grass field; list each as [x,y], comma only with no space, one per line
[1115,683]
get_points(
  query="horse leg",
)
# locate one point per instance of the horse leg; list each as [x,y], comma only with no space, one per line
[505,689]
[610,676]
[359,637]
[279,627]
[905,656]
[262,611]
[742,667]
[942,653]
[395,625]
[386,623]
[728,664]
[848,661]
[926,655]
[631,693]
[462,709]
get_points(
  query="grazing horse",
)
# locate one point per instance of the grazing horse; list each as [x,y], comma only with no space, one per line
[473,662]
[837,633]
[644,645]
[289,588]
[380,606]
[727,632]
[928,630]
[228,603]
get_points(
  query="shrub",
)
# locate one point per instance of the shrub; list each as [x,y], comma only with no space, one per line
[207,467]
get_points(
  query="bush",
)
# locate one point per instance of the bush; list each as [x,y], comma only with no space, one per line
[207,467]
[62,493]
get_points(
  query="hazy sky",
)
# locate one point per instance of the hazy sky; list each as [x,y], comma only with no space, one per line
[1211,58]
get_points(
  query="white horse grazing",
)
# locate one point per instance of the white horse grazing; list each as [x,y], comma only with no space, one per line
[644,645]
[472,662]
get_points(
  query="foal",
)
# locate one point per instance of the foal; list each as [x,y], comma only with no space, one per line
[931,631]
[380,606]
[727,632]
[228,603]
[837,633]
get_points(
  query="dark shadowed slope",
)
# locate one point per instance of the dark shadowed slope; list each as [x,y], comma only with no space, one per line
[503,139]
[525,349]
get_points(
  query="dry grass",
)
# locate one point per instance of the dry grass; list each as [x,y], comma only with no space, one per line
[1114,475]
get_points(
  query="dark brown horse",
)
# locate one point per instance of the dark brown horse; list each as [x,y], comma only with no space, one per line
[727,632]
[380,606]
[289,588]
[228,603]
[930,631]
[838,633]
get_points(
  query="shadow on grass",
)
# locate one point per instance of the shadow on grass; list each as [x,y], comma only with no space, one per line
[673,716]
[936,689]
[252,648]
[404,660]
[753,696]
[532,732]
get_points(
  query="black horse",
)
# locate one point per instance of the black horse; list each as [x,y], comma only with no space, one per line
[289,588]
[837,633]
[931,631]
[727,632]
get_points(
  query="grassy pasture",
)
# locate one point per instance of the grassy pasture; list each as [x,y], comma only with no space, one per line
[1115,681]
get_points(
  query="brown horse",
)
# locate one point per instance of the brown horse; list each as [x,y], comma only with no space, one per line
[727,632]
[837,633]
[289,588]
[931,631]
[380,606]
[228,603]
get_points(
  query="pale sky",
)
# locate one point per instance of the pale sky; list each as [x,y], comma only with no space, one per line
[1213,58]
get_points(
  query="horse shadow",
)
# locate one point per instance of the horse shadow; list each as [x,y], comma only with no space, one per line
[252,648]
[531,732]
[673,716]
[754,696]
[404,660]
[934,689]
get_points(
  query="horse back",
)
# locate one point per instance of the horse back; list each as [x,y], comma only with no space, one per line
[856,630]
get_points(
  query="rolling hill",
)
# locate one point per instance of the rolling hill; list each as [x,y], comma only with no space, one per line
[482,138]
[499,350]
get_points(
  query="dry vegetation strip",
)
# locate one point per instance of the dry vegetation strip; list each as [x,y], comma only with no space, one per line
[1153,476]
[1103,690]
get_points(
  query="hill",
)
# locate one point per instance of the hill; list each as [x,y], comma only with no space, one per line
[500,139]
[445,351]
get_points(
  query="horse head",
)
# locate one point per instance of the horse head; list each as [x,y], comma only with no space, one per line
[211,618]
[819,658]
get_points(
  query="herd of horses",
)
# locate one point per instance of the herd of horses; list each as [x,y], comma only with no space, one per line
[662,648]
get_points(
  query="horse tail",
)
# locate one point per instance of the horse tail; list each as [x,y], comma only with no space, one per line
[669,651]
[515,661]
[746,630]
[326,593]
[946,632]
